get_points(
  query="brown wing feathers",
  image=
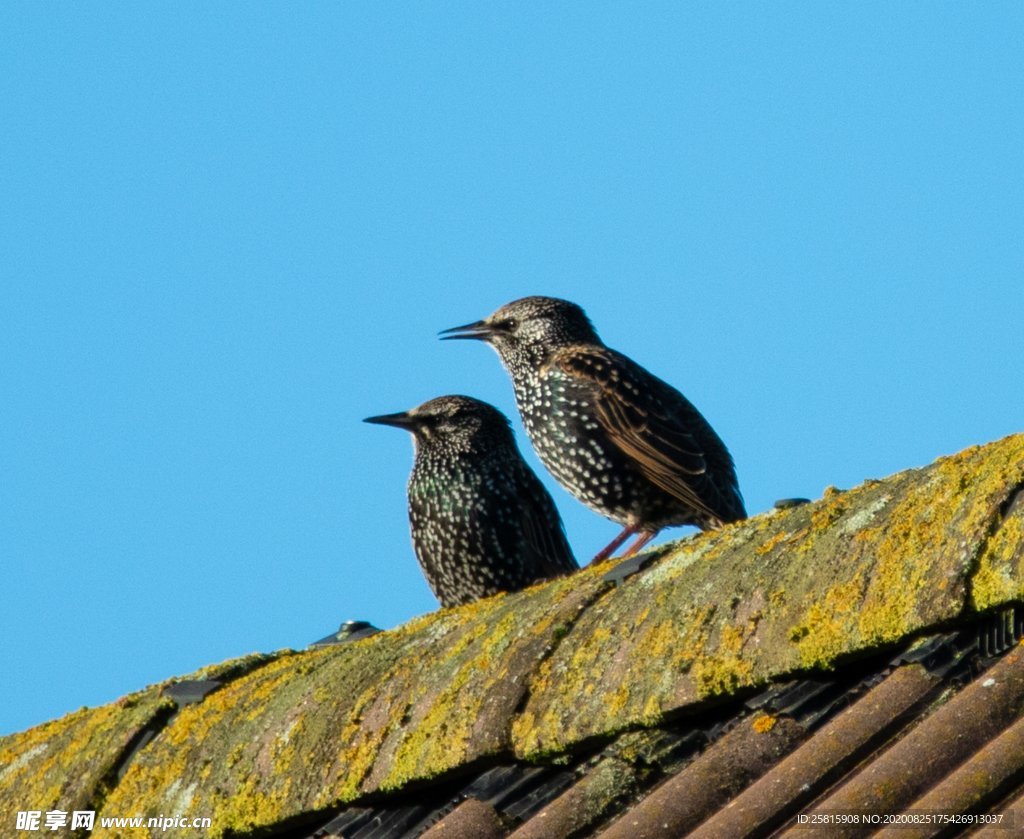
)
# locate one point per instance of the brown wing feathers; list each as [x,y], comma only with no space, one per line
[644,428]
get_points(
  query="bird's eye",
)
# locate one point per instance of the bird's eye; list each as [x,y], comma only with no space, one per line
[510,324]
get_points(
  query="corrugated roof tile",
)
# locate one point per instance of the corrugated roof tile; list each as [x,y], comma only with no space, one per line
[992,771]
[585,804]
[726,767]
[472,819]
[940,743]
[777,795]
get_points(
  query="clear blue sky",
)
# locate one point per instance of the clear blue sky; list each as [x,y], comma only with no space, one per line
[230,232]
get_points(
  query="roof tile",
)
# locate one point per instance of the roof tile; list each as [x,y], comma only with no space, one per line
[317,728]
[573,697]
[67,763]
[831,751]
[942,741]
[1000,574]
[1009,820]
[725,768]
[993,769]
[472,819]
[62,764]
[583,805]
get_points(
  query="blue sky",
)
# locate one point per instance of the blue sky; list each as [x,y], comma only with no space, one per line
[230,232]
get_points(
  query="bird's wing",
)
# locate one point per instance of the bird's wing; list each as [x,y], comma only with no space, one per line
[646,418]
[542,526]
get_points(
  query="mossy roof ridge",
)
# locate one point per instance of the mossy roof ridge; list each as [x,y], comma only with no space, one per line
[327,726]
[778,594]
[67,763]
[546,670]
[61,764]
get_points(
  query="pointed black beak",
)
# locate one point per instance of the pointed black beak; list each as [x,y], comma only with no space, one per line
[399,420]
[478,331]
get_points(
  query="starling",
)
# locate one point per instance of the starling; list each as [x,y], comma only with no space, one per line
[625,443]
[481,520]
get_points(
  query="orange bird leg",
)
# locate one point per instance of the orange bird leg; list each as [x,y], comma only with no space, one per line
[614,545]
[643,539]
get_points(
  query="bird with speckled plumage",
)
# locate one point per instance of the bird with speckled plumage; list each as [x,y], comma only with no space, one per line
[481,521]
[628,445]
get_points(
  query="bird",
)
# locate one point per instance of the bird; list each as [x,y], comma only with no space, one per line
[481,520]
[625,443]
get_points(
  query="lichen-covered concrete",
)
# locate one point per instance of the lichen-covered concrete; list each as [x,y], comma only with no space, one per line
[318,728]
[1000,575]
[779,593]
[69,764]
[548,670]
[61,765]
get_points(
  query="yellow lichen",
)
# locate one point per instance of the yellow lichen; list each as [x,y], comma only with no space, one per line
[822,634]
[726,668]
[999,578]
[61,763]
[769,545]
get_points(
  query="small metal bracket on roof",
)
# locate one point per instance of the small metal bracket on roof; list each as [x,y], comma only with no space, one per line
[348,631]
[632,565]
[183,692]
[189,691]
[786,503]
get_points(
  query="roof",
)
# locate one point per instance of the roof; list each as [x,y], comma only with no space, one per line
[855,654]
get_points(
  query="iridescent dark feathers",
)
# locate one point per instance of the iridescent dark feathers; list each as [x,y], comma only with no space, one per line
[481,521]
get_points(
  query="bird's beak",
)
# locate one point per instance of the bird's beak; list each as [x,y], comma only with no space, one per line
[478,331]
[399,420]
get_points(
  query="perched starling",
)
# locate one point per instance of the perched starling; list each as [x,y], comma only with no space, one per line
[625,443]
[481,520]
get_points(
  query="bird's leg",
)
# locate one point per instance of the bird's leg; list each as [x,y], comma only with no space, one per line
[643,539]
[614,545]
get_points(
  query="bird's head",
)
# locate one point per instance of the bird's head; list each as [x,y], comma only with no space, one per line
[529,329]
[457,422]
